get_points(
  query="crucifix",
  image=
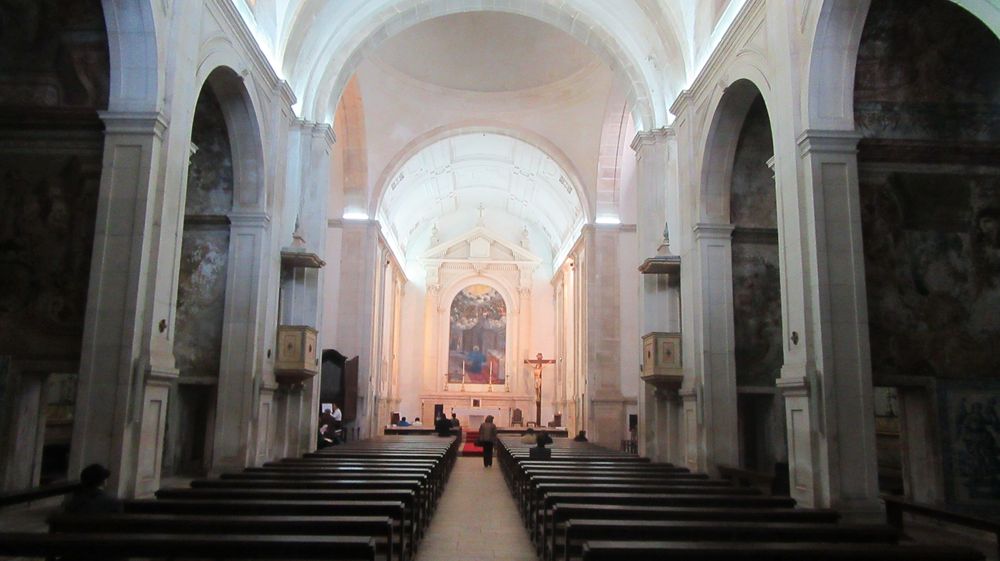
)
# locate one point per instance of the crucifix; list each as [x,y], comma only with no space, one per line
[537,366]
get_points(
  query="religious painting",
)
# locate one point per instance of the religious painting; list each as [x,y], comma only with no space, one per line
[970,414]
[477,342]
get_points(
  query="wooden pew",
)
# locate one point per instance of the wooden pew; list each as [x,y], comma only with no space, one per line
[379,526]
[599,550]
[564,512]
[577,531]
[258,546]
[394,510]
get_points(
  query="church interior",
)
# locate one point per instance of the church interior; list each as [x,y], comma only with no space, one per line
[751,241]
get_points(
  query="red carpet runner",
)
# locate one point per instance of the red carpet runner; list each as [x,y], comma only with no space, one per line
[469,447]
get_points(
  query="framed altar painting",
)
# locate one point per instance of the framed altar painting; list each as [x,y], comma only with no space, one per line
[477,341]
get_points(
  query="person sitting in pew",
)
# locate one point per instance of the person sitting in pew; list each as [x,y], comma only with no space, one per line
[91,498]
[443,426]
[417,423]
[581,437]
[403,423]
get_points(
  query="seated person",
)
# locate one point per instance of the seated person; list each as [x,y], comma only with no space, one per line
[529,437]
[543,439]
[91,498]
[582,437]
[403,423]
[417,423]
[443,426]
[454,421]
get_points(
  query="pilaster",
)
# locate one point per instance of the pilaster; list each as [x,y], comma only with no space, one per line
[715,363]
[831,391]
[115,355]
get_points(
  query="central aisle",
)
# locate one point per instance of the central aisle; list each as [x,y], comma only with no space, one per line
[476,519]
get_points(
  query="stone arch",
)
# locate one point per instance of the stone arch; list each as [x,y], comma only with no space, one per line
[493,127]
[134,56]
[829,102]
[241,116]
[728,109]
[645,92]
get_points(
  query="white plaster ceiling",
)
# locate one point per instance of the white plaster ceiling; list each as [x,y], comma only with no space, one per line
[450,183]
[485,52]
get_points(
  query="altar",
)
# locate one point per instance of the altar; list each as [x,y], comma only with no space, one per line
[472,417]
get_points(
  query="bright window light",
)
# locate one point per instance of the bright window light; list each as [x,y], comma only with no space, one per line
[355,215]
[608,220]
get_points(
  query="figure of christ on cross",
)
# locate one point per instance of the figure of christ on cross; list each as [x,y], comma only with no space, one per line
[537,365]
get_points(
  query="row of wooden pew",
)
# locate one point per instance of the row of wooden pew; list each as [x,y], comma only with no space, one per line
[596,504]
[365,500]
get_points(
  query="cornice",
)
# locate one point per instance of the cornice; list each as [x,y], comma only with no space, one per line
[828,141]
[704,230]
[132,122]
[651,137]
[738,33]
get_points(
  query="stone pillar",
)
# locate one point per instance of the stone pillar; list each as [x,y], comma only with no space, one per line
[826,378]
[715,364]
[302,288]
[22,420]
[120,408]
[239,369]
[606,421]
[433,380]
[659,304]
[524,382]
[357,306]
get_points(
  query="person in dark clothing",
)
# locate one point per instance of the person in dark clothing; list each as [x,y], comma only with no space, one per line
[91,498]
[487,436]
[443,426]
[455,422]
[582,437]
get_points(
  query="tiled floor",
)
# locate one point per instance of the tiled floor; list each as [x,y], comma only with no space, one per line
[476,519]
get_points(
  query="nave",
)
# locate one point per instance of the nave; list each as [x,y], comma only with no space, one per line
[407,497]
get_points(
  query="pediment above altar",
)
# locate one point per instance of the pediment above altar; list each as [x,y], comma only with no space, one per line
[481,245]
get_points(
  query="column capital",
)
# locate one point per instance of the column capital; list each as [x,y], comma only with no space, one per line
[713,231]
[828,141]
[322,131]
[648,138]
[134,122]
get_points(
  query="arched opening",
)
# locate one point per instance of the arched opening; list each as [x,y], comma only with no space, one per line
[54,71]
[201,290]
[757,296]
[927,102]
[224,182]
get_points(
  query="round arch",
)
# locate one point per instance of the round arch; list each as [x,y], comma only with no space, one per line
[320,87]
[240,115]
[729,108]
[134,55]
[829,102]
[438,134]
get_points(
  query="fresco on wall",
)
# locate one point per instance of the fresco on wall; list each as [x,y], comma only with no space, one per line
[201,290]
[913,81]
[970,414]
[47,209]
[477,342]
[756,278]
[932,262]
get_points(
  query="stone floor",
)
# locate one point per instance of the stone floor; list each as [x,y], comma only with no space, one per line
[476,519]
